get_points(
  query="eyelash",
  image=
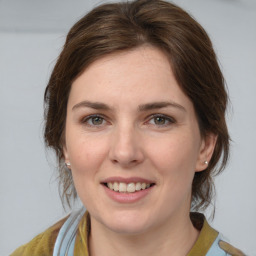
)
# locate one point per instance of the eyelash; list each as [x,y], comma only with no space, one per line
[90,117]
[168,119]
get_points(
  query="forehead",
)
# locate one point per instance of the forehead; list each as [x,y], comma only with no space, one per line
[143,74]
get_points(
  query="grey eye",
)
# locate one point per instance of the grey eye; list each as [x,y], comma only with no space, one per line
[94,120]
[159,120]
[97,120]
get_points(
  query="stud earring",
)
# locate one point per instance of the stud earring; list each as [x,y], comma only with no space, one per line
[206,162]
[68,164]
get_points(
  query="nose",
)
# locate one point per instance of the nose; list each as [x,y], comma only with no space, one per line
[126,147]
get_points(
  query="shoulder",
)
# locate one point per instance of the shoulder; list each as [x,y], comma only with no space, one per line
[42,244]
[228,248]
[210,242]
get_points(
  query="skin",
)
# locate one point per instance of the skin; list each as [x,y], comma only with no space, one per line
[127,139]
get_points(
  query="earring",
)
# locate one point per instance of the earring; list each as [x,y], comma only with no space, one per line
[68,164]
[206,162]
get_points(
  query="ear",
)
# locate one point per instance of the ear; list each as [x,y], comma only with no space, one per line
[206,150]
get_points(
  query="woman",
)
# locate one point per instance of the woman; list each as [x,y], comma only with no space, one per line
[135,111]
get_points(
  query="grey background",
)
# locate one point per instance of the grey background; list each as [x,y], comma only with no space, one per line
[32,33]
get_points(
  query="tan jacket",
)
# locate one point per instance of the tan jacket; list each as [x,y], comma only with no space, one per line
[43,244]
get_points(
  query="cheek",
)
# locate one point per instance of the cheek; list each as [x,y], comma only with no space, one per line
[86,154]
[175,152]
[86,157]
[175,161]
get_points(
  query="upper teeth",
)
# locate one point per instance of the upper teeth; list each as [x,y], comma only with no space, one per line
[130,187]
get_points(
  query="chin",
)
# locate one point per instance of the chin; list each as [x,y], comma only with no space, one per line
[128,228]
[130,223]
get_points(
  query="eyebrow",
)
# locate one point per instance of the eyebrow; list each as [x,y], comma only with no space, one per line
[141,108]
[158,105]
[94,105]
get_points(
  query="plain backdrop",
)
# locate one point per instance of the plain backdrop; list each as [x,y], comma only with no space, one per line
[32,33]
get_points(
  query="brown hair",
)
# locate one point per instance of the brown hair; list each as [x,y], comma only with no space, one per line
[122,26]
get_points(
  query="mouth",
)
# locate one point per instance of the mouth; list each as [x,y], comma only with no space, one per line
[131,187]
[127,190]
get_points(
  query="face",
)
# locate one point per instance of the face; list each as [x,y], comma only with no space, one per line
[133,142]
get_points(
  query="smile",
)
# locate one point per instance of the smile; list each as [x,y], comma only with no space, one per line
[127,190]
[127,187]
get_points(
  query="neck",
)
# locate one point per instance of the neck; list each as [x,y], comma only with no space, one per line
[178,236]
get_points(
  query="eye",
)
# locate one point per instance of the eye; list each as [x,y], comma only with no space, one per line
[161,120]
[94,120]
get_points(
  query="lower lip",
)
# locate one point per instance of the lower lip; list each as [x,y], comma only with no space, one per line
[127,197]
